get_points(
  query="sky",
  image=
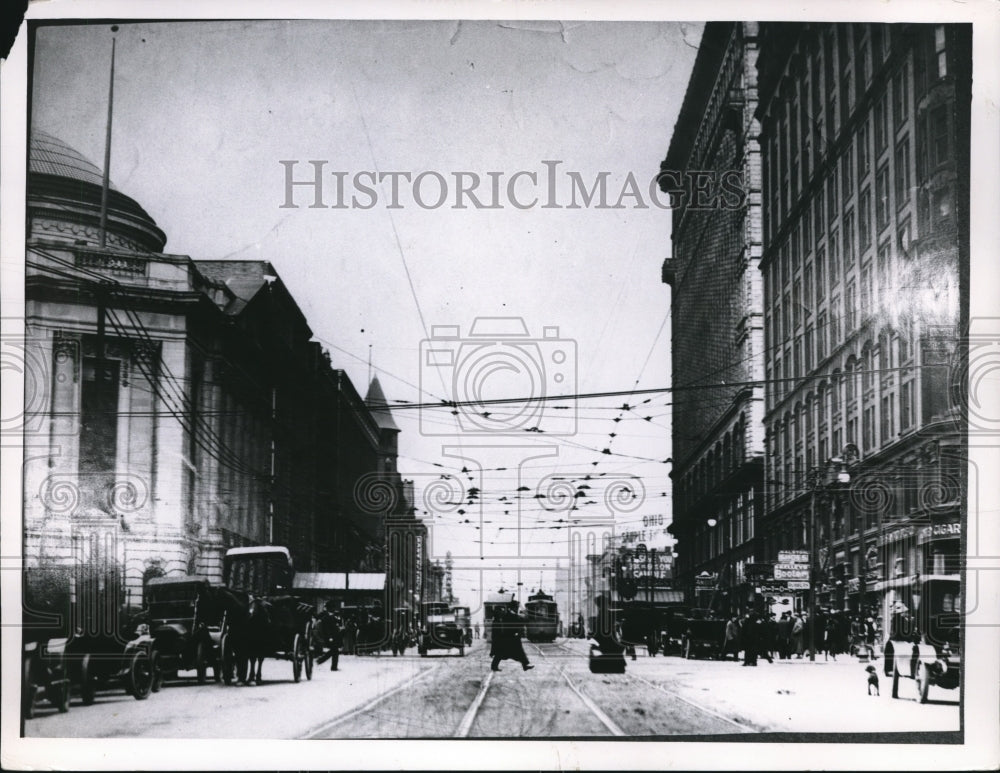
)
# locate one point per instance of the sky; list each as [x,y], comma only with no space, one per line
[206,112]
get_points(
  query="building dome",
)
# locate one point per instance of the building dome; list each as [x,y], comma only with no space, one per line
[64,201]
[51,156]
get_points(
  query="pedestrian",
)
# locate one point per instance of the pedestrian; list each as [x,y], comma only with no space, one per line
[332,633]
[750,640]
[798,635]
[732,643]
[770,637]
[506,635]
[475,629]
[784,631]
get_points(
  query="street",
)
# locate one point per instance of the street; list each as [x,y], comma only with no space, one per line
[447,696]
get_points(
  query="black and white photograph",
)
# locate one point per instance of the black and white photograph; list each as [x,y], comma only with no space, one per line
[501,385]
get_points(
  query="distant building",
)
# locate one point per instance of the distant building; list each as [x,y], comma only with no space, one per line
[865,141]
[177,408]
[717,316]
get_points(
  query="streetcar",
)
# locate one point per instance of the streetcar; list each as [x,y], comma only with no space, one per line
[500,600]
[542,615]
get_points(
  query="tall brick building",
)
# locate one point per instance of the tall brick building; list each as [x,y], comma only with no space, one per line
[865,152]
[716,319]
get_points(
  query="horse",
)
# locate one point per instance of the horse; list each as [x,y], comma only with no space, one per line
[258,638]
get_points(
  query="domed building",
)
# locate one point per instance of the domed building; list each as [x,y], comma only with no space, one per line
[165,421]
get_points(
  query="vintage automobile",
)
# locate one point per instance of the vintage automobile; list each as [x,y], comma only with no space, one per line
[439,629]
[672,630]
[44,631]
[185,622]
[704,635]
[924,634]
[99,661]
[463,618]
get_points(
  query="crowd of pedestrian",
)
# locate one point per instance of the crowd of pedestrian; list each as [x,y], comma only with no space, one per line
[794,635]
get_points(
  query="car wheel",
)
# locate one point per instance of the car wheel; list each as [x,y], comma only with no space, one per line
[201,662]
[140,675]
[923,681]
[297,658]
[88,690]
[157,669]
[308,652]
[28,691]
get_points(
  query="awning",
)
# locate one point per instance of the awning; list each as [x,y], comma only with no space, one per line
[320,581]
[366,581]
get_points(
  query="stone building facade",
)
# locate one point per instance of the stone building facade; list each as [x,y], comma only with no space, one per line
[712,170]
[175,407]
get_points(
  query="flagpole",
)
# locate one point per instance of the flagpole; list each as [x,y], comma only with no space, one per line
[105,183]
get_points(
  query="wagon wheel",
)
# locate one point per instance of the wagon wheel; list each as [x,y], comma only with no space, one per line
[201,662]
[309,651]
[88,689]
[923,681]
[156,668]
[28,691]
[139,679]
[297,657]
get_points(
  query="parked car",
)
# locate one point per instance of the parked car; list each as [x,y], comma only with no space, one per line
[704,636]
[185,623]
[924,633]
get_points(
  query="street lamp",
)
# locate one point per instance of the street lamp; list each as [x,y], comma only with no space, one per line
[847,455]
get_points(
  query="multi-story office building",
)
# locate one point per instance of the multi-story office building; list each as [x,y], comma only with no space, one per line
[865,155]
[717,317]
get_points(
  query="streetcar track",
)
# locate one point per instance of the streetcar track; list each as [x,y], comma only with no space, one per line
[694,704]
[470,715]
[323,729]
[587,701]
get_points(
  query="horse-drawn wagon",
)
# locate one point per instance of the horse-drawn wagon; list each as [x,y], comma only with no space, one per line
[272,624]
[704,635]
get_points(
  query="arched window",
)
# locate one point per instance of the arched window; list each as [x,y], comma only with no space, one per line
[849,375]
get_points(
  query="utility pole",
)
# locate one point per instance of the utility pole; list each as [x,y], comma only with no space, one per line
[106,182]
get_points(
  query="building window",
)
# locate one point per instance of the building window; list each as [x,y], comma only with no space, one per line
[882,197]
[849,248]
[900,96]
[905,406]
[820,336]
[940,54]
[888,409]
[834,252]
[818,219]
[866,290]
[865,218]
[939,144]
[903,238]
[807,289]
[902,172]
[786,320]
[831,195]
[869,428]
[881,127]
[834,322]
[851,303]
[806,233]
[820,274]
[864,155]
[808,345]
[847,174]
[882,288]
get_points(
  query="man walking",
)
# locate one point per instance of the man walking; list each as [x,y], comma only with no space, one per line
[506,639]
[785,635]
[732,640]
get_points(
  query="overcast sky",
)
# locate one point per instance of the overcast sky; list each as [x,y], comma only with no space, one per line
[205,113]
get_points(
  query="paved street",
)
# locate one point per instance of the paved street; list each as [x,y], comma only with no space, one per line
[444,696]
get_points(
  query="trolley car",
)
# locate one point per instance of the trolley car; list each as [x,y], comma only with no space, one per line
[542,614]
